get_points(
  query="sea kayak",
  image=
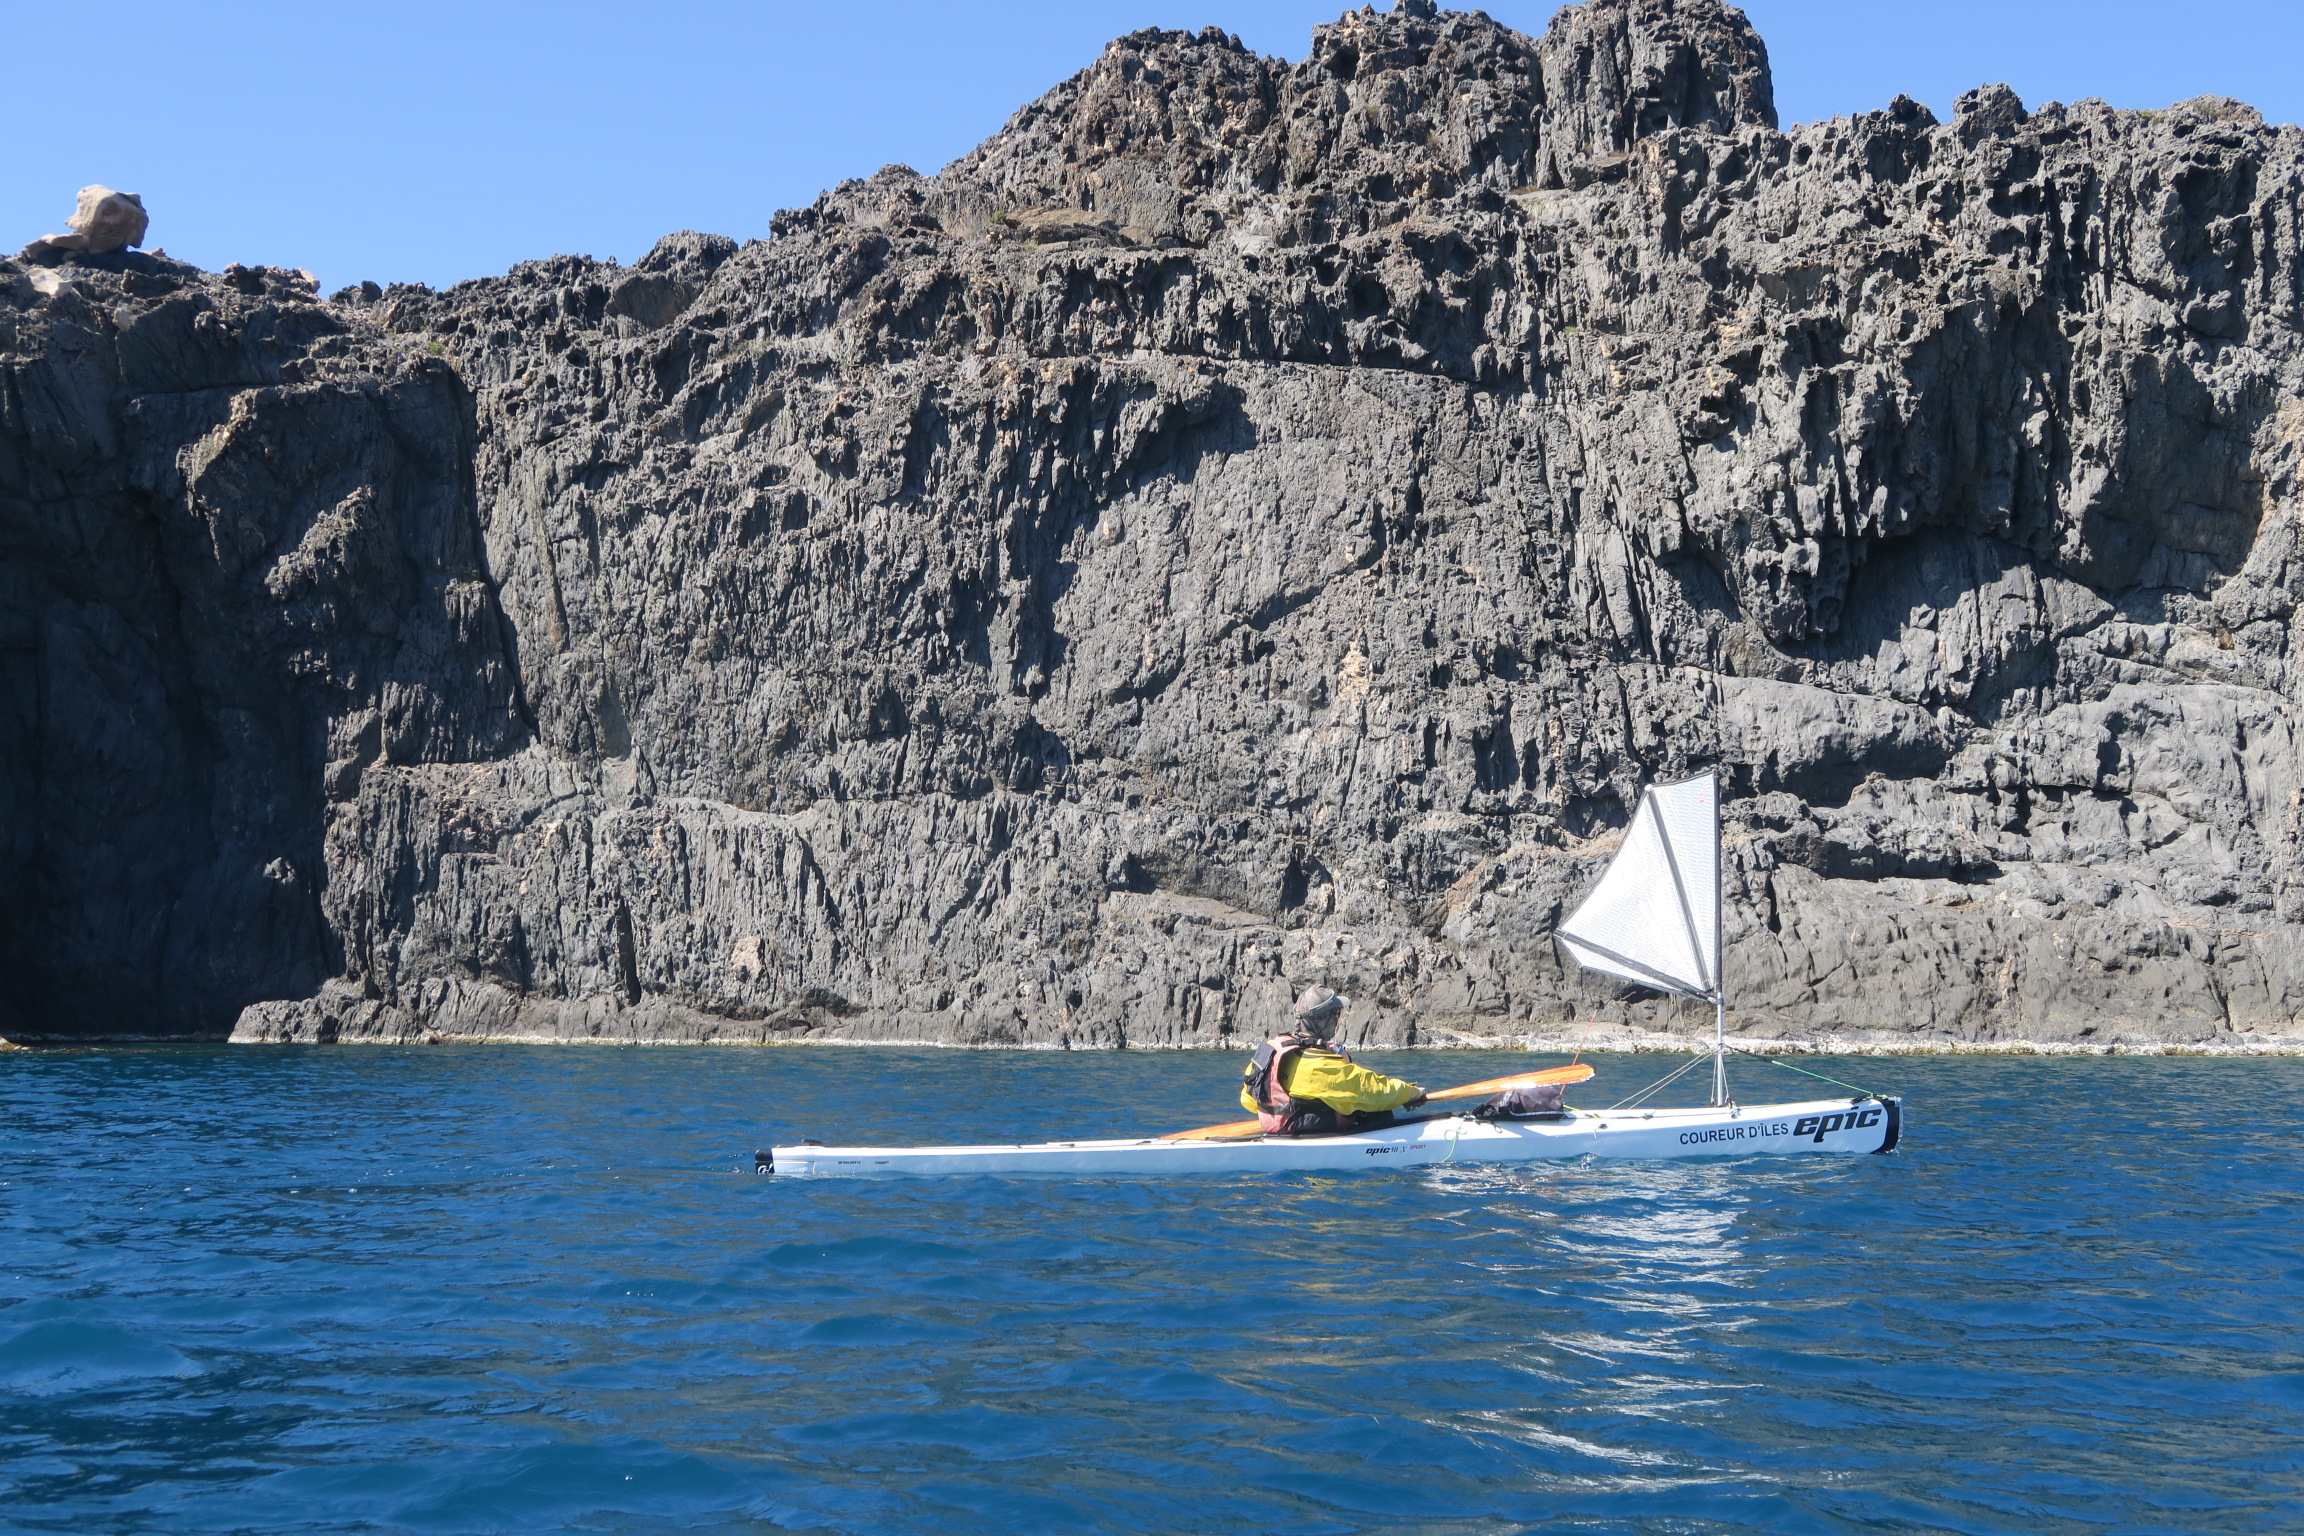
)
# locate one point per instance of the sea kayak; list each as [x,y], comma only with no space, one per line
[1843,1126]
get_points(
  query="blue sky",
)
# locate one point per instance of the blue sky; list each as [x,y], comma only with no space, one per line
[432,141]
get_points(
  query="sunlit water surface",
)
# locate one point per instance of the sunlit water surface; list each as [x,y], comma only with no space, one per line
[504,1289]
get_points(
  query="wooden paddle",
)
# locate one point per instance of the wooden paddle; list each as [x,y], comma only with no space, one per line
[1461,1091]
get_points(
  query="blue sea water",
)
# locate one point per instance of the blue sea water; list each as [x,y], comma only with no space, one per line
[451,1289]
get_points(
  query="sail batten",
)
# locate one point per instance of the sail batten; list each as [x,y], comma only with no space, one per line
[1654,918]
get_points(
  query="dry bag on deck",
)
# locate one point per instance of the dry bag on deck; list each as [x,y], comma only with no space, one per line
[1528,1099]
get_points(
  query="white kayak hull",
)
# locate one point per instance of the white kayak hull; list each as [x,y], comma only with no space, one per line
[1825,1125]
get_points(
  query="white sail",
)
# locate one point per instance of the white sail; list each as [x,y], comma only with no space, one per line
[1654,918]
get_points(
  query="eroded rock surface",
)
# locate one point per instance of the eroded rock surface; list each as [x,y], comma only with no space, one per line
[1246,524]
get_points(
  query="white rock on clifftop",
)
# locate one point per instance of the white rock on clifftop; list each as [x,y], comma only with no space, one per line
[105,220]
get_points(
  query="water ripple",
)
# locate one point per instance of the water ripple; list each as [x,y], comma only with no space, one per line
[481,1290]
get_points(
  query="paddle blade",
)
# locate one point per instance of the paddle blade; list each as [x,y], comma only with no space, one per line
[1575,1074]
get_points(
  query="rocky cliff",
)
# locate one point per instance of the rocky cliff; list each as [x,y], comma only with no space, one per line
[1246,524]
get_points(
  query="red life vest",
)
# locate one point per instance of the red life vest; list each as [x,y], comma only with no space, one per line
[1274,1105]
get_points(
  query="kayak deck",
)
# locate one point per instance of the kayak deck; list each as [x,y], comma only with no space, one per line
[1840,1126]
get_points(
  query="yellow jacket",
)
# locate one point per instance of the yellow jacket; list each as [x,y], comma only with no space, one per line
[1344,1087]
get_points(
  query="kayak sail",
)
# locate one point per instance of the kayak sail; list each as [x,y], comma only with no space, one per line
[1654,918]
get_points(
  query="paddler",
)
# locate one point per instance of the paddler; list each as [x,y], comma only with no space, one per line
[1304,1084]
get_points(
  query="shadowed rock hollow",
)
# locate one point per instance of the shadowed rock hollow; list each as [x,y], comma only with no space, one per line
[1246,524]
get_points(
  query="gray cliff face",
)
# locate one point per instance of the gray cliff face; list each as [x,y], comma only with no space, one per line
[1247,524]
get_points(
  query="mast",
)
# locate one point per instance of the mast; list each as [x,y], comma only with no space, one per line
[1719,957]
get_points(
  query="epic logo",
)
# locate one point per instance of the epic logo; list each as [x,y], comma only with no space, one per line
[1817,1127]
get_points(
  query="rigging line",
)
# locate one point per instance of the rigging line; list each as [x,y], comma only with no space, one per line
[1804,1072]
[1677,1073]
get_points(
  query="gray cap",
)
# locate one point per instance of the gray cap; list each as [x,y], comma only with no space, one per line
[1318,1003]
